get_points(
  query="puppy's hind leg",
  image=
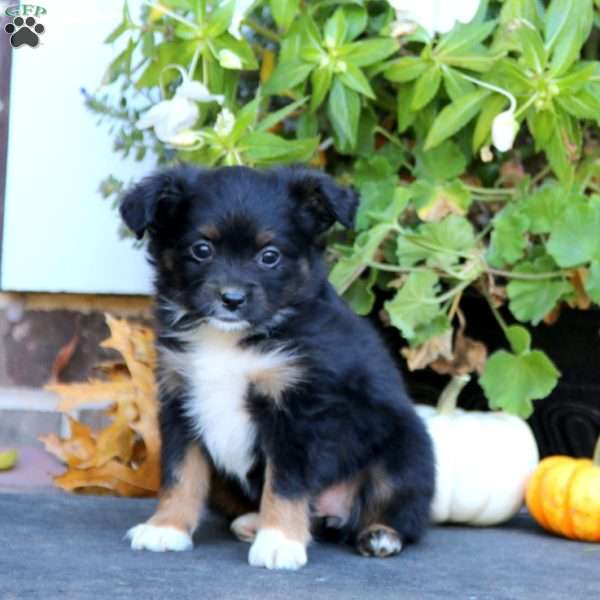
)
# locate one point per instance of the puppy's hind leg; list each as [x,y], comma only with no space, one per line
[397,495]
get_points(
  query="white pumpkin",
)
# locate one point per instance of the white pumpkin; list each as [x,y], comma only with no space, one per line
[483,463]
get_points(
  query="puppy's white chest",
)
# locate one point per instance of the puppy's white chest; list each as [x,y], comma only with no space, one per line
[219,372]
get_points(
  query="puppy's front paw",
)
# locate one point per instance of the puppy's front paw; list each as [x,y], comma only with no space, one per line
[158,539]
[273,550]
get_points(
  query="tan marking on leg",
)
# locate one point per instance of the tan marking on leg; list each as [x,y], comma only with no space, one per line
[289,516]
[283,532]
[380,492]
[181,505]
[337,500]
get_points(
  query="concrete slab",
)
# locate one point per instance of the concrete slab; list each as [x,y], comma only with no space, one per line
[69,547]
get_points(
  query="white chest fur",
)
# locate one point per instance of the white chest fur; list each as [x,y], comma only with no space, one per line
[219,372]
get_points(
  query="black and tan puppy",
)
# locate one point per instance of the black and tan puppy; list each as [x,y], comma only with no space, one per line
[276,401]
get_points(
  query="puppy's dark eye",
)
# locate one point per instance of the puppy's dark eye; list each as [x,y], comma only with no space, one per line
[202,251]
[269,257]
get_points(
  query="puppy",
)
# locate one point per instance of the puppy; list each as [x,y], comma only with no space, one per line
[277,402]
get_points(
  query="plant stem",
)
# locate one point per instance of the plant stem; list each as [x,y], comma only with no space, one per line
[262,30]
[495,312]
[596,458]
[493,88]
[525,276]
[447,400]
[490,191]
[171,14]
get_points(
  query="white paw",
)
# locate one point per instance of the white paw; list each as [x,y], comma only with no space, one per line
[245,527]
[158,539]
[273,550]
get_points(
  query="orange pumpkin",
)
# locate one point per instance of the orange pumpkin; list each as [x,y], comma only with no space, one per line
[563,495]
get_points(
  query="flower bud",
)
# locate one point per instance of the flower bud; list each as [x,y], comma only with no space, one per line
[504,130]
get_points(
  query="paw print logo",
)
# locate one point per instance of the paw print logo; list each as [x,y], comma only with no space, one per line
[24,31]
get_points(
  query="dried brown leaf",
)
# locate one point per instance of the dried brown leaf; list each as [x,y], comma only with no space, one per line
[123,458]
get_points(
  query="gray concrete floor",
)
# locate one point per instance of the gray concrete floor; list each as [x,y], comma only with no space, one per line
[71,547]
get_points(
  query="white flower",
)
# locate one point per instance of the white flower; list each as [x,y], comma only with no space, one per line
[187,138]
[504,130]
[229,60]
[171,117]
[435,16]
[239,12]
[224,123]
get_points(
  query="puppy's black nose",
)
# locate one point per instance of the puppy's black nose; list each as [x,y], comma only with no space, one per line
[233,298]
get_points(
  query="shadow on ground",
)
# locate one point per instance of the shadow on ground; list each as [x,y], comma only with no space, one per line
[68,547]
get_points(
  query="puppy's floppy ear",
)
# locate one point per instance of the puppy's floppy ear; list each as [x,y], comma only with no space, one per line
[320,200]
[154,198]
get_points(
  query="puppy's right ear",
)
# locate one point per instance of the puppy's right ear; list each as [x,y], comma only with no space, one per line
[153,198]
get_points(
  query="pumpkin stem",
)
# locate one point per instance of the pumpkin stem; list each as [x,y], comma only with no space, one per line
[447,400]
[597,453]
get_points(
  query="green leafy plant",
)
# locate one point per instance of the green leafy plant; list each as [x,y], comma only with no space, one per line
[476,151]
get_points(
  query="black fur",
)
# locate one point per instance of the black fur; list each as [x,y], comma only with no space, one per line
[351,413]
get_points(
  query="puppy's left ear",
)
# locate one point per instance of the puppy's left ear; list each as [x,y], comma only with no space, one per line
[320,200]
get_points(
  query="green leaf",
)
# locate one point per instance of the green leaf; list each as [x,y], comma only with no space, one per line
[562,149]
[512,382]
[335,29]
[241,48]
[356,20]
[568,25]
[426,87]
[220,19]
[343,109]
[545,208]
[532,46]
[434,328]
[415,303]
[490,108]
[542,124]
[320,80]
[482,61]
[121,65]
[508,239]
[454,117]
[360,294]
[575,238]
[532,300]
[404,115]
[406,69]
[284,12]
[435,200]
[267,149]
[456,86]
[368,52]
[441,163]
[287,76]
[582,105]
[280,115]
[519,338]
[441,243]
[577,77]
[348,268]
[116,33]
[355,79]
[376,181]
[462,38]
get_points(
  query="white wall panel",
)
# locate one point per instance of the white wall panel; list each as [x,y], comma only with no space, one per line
[59,234]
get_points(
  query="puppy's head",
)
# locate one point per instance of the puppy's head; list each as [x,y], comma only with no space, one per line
[236,247]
